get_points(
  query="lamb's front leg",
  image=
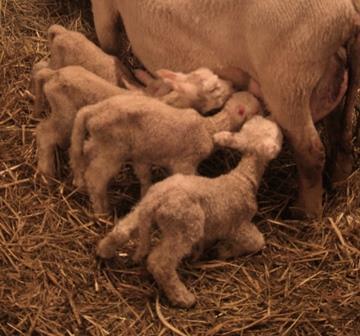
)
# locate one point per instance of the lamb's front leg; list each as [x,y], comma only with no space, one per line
[245,239]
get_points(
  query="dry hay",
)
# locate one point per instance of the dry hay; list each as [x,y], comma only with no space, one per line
[306,281]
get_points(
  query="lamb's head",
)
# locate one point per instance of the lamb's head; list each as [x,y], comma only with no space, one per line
[259,136]
[200,89]
[240,107]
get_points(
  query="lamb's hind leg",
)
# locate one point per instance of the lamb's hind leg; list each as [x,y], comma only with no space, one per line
[104,166]
[162,263]
[49,134]
[179,236]
[36,87]
[245,239]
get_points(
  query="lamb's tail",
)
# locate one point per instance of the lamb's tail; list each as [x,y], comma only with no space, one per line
[55,30]
[40,75]
[77,156]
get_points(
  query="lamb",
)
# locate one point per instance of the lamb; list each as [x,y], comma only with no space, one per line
[146,132]
[67,90]
[200,89]
[193,210]
[72,87]
[73,48]
[246,41]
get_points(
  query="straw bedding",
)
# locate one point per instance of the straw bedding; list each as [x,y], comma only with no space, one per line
[306,281]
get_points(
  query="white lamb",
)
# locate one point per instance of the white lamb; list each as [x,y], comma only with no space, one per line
[69,47]
[72,87]
[67,90]
[194,210]
[146,132]
[200,89]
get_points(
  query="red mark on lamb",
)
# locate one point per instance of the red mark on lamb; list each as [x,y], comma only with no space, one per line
[241,111]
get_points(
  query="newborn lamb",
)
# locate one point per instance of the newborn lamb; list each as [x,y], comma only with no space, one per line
[73,48]
[72,87]
[146,132]
[194,210]
[67,90]
[200,89]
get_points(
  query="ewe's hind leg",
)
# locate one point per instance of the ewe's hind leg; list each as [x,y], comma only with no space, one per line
[182,227]
[246,239]
[340,161]
[310,158]
[289,104]
[107,25]
[48,136]
[343,163]
[100,170]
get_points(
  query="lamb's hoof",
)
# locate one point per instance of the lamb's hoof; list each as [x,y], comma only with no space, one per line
[106,248]
[183,299]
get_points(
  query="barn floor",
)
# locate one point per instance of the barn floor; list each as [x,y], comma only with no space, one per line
[306,281]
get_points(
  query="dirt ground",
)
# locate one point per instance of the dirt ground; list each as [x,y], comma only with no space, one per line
[305,282]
